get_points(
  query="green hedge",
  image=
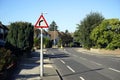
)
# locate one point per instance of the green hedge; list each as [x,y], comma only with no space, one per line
[6,59]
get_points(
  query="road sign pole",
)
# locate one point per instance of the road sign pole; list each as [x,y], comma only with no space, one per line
[41,56]
[41,23]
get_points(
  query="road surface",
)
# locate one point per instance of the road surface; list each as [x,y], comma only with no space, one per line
[73,65]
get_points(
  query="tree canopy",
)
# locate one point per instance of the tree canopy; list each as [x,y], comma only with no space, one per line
[107,34]
[20,35]
[53,26]
[82,34]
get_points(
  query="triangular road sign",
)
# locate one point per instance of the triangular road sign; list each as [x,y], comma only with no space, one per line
[41,23]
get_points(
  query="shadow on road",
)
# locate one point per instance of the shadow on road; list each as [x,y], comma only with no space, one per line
[57,55]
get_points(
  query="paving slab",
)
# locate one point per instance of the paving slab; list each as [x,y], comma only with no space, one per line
[29,69]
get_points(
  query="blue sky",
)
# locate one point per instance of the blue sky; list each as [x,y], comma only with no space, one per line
[66,13]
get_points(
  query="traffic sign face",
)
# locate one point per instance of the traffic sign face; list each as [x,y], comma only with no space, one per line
[41,23]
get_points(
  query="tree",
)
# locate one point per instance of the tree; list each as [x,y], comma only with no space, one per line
[66,31]
[85,27]
[53,26]
[60,42]
[65,38]
[36,33]
[46,42]
[77,35]
[37,42]
[20,36]
[107,34]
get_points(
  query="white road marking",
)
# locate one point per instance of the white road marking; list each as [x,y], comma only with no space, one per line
[82,78]
[62,61]
[96,63]
[114,70]
[70,68]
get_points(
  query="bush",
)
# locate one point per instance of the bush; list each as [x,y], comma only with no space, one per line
[113,45]
[107,34]
[37,43]
[7,59]
[20,36]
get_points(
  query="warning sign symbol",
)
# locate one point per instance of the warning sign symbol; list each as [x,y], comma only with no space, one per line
[41,23]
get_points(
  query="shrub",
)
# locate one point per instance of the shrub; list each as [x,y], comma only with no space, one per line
[6,59]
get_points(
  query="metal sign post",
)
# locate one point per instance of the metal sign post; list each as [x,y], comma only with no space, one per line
[41,55]
[41,23]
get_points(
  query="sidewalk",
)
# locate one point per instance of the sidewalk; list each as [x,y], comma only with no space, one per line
[29,69]
[98,52]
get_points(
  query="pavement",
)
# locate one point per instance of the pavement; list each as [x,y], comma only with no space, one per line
[29,68]
[114,53]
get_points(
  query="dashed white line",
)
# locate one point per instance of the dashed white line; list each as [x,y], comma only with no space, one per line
[114,70]
[82,78]
[70,68]
[62,61]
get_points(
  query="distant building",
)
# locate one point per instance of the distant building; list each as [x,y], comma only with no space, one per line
[37,34]
[56,36]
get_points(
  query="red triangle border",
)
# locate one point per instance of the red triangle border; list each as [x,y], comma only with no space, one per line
[38,22]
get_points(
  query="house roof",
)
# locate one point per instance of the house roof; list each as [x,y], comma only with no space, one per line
[3,26]
[54,34]
[57,34]
[37,32]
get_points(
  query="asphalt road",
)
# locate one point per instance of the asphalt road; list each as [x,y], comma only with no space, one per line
[73,65]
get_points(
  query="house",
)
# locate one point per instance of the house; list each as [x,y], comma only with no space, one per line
[56,36]
[37,33]
[3,34]
[66,38]
[37,36]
